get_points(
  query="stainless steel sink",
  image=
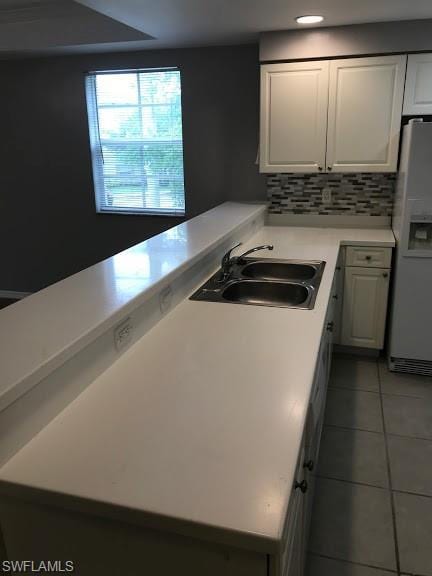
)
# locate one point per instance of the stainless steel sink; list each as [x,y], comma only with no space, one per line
[262,293]
[265,282]
[276,270]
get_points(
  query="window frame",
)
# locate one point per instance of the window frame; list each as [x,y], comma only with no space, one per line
[97,142]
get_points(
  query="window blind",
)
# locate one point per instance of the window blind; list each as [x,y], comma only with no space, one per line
[136,140]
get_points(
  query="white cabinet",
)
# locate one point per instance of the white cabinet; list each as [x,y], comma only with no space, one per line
[293,116]
[418,88]
[340,115]
[364,117]
[365,306]
[96,546]
[315,420]
[296,559]
[292,557]
[337,297]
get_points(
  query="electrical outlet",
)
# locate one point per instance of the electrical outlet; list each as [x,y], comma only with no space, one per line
[326,195]
[165,299]
[123,334]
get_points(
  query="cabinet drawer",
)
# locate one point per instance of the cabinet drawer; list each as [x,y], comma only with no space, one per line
[368,256]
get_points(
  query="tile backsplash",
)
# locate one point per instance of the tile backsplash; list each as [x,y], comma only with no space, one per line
[356,194]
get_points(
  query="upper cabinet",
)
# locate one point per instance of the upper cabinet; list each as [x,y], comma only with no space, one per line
[340,115]
[418,89]
[294,101]
[364,117]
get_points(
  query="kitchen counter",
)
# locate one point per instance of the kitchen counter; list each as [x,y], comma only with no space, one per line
[198,425]
[44,330]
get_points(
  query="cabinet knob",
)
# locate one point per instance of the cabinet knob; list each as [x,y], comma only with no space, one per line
[303,485]
[338,268]
[368,258]
[335,296]
[320,168]
[330,326]
[385,274]
[329,168]
[309,465]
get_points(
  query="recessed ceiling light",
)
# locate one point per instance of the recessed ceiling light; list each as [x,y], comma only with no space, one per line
[309,19]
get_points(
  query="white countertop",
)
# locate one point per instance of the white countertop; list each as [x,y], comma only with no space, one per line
[201,420]
[41,332]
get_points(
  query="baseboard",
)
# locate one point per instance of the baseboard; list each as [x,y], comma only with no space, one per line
[356,351]
[13,295]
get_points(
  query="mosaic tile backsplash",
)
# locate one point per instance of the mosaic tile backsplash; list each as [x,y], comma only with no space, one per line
[356,194]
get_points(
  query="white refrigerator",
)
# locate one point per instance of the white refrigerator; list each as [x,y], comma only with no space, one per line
[410,346]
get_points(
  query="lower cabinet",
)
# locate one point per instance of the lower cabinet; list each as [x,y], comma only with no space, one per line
[315,420]
[356,317]
[296,532]
[99,546]
[292,555]
[365,307]
[362,281]
[337,297]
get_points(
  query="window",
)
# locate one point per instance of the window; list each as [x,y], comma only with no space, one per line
[136,141]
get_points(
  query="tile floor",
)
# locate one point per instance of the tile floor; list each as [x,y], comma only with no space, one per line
[373,503]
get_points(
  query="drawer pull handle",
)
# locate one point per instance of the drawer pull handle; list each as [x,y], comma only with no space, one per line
[309,465]
[303,485]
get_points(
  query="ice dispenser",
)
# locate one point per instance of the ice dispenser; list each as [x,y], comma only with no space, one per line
[420,227]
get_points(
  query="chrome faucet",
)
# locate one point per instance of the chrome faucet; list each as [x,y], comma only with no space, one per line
[264,247]
[227,261]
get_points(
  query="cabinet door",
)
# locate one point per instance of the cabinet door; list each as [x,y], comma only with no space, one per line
[337,293]
[365,109]
[314,426]
[418,88]
[295,554]
[365,307]
[294,101]
[292,552]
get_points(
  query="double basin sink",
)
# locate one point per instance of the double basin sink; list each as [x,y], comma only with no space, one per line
[265,282]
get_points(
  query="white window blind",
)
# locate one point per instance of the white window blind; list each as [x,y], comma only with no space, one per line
[136,141]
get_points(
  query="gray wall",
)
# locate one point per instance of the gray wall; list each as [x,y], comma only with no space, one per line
[48,225]
[355,40]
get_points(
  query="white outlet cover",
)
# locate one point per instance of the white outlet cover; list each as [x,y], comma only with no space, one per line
[123,334]
[326,195]
[165,299]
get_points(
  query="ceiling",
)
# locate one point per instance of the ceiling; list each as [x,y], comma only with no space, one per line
[53,26]
[39,25]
